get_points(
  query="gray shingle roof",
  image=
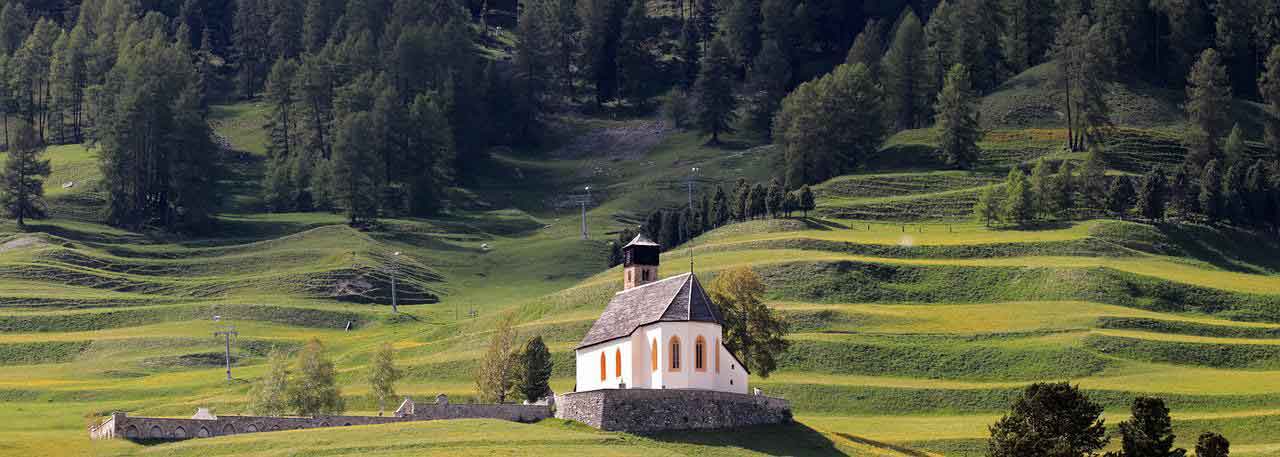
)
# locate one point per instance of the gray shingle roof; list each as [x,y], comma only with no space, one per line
[641,240]
[675,299]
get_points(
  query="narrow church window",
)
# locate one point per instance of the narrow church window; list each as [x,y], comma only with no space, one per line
[617,359]
[653,355]
[675,354]
[717,349]
[603,370]
[700,354]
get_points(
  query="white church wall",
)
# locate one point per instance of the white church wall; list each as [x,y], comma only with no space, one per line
[589,361]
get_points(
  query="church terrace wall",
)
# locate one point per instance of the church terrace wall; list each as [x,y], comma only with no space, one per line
[657,410]
[121,425]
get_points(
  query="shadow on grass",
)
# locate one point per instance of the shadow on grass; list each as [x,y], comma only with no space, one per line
[883,445]
[793,439]
[821,224]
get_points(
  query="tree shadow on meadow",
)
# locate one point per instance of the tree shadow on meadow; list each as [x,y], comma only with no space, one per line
[793,439]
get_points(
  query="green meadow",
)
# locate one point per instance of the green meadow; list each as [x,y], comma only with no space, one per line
[912,327]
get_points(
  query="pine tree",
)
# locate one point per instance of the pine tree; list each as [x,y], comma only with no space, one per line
[313,391]
[383,376]
[1064,195]
[1042,190]
[1094,180]
[767,82]
[534,367]
[1187,34]
[1017,201]
[653,226]
[280,190]
[1049,416]
[354,180]
[1234,194]
[1183,198]
[1235,149]
[1211,444]
[905,82]
[939,39]
[988,207]
[690,55]
[806,200]
[270,393]
[1081,73]
[977,41]
[756,201]
[23,177]
[1120,196]
[1025,36]
[1149,432]
[958,119]
[1211,192]
[813,125]
[1208,105]
[1151,199]
[740,30]
[716,108]
[723,210]
[601,26]
[635,61]
[1269,87]
[868,47]
[1257,194]
[774,198]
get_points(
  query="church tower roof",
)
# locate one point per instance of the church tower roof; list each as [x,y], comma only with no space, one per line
[675,299]
[640,240]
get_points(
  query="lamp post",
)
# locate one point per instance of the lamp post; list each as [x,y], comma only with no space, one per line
[586,198]
[226,333]
[395,258]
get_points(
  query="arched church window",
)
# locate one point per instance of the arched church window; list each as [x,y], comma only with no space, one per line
[700,354]
[675,353]
[653,355]
[603,369]
[717,350]
[617,363]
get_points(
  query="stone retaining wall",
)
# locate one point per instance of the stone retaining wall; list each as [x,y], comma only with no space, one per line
[656,410]
[121,425]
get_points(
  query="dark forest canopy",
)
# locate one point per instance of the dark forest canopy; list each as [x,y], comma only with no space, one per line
[395,101]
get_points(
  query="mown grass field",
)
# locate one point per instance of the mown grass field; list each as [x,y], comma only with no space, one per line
[912,327]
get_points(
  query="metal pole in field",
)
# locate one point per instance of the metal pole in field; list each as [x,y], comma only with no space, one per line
[583,200]
[395,257]
[226,333]
[688,226]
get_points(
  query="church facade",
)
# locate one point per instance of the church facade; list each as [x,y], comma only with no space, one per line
[658,334]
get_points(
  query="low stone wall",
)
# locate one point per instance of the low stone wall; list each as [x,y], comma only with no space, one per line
[121,425]
[656,410]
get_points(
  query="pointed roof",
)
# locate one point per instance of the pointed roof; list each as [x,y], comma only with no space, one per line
[641,240]
[675,299]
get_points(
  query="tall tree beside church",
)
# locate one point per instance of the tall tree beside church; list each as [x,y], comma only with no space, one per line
[767,84]
[534,370]
[269,395]
[1208,107]
[716,105]
[355,182]
[752,330]
[152,98]
[23,177]
[868,47]
[906,83]
[1269,87]
[958,119]
[496,375]
[812,126]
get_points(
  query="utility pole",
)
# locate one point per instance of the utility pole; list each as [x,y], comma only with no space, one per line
[226,334]
[693,173]
[583,200]
[395,257]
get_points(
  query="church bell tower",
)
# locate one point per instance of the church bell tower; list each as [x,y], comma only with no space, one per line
[639,262]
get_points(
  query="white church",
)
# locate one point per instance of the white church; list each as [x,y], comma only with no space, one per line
[657,334]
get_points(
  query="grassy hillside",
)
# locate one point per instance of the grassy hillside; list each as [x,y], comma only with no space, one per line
[912,327]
